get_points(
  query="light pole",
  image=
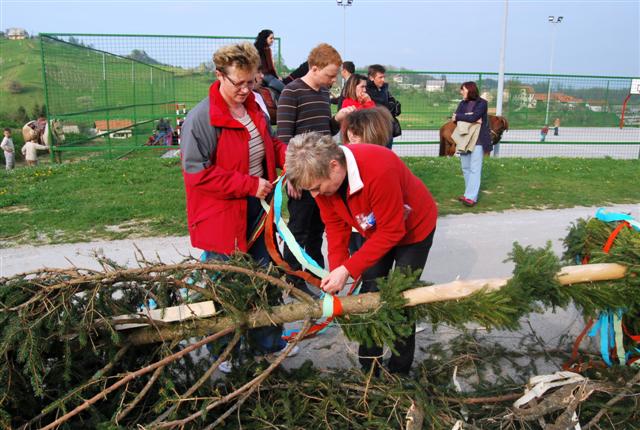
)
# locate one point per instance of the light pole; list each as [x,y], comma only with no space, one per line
[499,95]
[344,4]
[553,20]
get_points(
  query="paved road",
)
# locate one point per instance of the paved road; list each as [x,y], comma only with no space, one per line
[553,147]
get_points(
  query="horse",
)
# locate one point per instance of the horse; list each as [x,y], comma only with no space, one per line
[38,131]
[497,126]
[56,131]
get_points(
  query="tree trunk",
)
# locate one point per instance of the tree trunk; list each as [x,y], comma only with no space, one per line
[360,304]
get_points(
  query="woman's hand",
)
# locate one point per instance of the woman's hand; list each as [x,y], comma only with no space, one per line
[333,283]
[453,117]
[293,192]
[342,113]
[264,188]
[365,98]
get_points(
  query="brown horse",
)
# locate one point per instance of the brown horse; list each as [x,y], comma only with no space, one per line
[497,125]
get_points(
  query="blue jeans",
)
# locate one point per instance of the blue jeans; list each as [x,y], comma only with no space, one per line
[274,83]
[263,339]
[472,172]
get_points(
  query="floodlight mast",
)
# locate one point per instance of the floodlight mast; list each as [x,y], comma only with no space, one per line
[552,20]
[499,95]
[344,4]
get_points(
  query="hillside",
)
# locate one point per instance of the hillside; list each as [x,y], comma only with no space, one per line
[20,61]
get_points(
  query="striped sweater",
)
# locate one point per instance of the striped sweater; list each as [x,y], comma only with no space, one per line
[302,109]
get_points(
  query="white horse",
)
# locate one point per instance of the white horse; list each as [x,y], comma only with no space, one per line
[38,131]
[56,131]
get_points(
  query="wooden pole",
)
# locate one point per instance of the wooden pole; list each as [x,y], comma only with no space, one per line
[361,303]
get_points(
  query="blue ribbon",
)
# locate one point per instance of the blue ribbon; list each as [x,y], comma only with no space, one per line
[606,335]
[605,216]
[277,208]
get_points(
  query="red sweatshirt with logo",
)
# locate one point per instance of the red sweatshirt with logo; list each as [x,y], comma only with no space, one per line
[385,202]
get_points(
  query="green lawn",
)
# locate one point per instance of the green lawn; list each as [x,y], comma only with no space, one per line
[145,196]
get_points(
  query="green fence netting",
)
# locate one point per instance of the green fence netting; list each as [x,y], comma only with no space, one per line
[587,108]
[112,90]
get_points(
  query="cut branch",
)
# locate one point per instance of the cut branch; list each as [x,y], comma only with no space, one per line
[363,303]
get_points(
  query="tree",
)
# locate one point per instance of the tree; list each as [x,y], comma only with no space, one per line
[15,87]
[21,115]
[38,111]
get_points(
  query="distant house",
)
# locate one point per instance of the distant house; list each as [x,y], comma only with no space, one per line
[487,96]
[398,79]
[17,33]
[435,85]
[410,86]
[596,105]
[70,129]
[121,127]
[522,96]
[570,102]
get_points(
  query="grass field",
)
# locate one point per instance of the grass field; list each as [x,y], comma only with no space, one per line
[145,196]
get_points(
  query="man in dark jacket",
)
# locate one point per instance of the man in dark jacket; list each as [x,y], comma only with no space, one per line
[348,69]
[378,90]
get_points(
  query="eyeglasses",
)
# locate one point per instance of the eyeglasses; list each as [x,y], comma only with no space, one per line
[240,86]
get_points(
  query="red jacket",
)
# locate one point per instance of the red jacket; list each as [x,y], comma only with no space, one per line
[378,183]
[351,102]
[217,194]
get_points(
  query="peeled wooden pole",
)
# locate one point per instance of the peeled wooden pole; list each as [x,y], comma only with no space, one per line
[361,303]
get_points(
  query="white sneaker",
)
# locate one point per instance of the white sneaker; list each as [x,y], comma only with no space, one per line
[226,367]
[294,351]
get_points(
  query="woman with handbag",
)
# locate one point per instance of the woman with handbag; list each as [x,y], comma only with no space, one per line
[473,108]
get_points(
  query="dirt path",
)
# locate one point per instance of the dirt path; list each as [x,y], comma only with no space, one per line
[468,246]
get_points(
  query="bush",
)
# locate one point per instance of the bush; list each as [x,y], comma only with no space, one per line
[15,87]
[21,116]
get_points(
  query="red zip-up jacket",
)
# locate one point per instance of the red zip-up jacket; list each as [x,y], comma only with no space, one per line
[216,176]
[379,183]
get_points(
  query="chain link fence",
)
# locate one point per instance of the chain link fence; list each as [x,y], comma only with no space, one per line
[587,111]
[111,91]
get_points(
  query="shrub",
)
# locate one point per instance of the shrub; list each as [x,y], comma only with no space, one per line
[15,87]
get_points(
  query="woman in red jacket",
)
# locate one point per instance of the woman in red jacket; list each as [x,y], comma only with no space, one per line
[229,161]
[355,94]
[369,188]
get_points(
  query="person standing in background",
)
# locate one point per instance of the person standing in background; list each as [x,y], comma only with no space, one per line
[473,108]
[379,92]
[263,44]
[304,106]
[556,126]
[9,149]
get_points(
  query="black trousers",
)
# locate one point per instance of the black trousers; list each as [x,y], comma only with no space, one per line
[307,227]
[413,256]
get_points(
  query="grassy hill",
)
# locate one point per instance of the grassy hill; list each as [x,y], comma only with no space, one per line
[20,61]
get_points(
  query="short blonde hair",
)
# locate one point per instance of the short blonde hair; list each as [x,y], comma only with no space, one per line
[308,158]
[372,125]
[323,55]
[244,56]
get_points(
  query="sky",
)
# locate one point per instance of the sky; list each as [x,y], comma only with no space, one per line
[594,38]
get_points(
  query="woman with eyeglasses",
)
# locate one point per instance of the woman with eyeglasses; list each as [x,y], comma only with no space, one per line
[229,162]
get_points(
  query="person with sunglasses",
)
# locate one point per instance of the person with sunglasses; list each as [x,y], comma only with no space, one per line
[229,161]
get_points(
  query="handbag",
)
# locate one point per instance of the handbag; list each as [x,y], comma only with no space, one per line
[396,129]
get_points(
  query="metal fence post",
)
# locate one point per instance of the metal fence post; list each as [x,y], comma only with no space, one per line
[133,90]
[106,102]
